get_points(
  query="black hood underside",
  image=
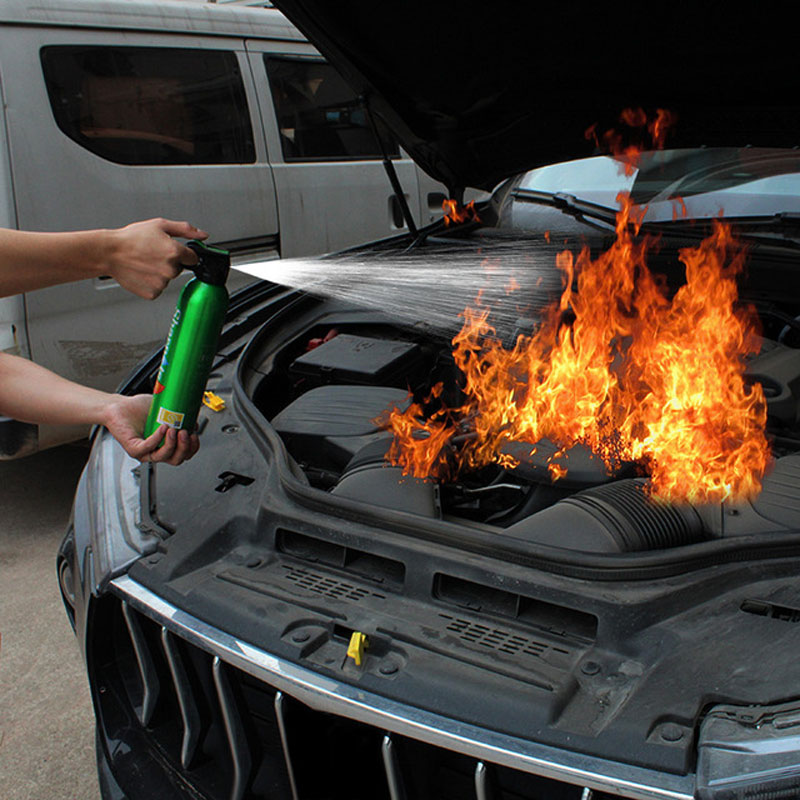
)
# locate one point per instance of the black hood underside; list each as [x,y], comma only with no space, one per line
[477,92]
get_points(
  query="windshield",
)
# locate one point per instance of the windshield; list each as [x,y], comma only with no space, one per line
[673,185]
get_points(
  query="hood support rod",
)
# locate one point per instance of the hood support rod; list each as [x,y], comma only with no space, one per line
[391,172]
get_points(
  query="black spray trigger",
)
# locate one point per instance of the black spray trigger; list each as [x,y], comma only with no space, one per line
[213,263]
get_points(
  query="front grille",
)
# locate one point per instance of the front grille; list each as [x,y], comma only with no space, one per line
[218,733]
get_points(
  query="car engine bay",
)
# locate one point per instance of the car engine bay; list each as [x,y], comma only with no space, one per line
[327,393]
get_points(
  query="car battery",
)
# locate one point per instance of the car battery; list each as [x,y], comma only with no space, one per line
[359,360]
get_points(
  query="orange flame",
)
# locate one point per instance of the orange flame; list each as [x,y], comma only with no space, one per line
[455,214]
[636,377]
[641,133]
[659,127]
[679,209]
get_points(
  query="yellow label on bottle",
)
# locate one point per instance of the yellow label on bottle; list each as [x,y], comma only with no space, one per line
[172,418]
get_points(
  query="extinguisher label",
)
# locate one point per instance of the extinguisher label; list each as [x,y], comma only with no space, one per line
[172,418]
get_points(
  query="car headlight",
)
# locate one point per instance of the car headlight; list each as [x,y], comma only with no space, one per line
[749,753]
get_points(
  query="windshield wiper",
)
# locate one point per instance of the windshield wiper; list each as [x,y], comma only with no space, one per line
[781,228]
[582,210]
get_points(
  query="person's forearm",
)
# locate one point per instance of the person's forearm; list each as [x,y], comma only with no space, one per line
[31,393]
[143,256]
[35,260]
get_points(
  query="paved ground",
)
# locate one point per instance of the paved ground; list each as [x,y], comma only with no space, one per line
[46,722]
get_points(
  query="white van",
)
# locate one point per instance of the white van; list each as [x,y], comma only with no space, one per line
[225,116]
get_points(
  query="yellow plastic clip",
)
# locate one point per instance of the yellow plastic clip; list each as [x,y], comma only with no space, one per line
[213,401]
[358,644]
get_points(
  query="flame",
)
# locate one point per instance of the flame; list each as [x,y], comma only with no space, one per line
[636,377]
[455,214]
[639,134]
[659,127]
[679,210]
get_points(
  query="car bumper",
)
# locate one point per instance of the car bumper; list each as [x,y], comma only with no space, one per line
[379,728]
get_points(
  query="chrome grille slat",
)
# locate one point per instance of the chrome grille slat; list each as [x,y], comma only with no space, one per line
[280,712]
[190,716]
[330,697]
[147,671]
[391,766]
[483,784]
[237,740]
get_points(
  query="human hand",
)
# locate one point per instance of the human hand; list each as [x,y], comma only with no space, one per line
[125,418]
[145,258]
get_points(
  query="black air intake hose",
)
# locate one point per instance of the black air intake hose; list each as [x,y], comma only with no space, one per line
[616,518]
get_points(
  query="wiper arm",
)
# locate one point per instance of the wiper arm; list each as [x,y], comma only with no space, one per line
[582,210]
[590,213]
[781,229]
[785,224]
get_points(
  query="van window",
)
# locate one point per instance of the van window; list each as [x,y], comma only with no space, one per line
[151,105]
[319,115]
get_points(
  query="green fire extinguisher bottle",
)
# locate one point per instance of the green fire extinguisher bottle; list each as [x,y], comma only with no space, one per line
[192,342]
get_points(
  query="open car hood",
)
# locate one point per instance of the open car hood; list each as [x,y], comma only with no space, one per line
[478,91]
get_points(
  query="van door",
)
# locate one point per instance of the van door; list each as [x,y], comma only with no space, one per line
[109,127]
[332,189]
